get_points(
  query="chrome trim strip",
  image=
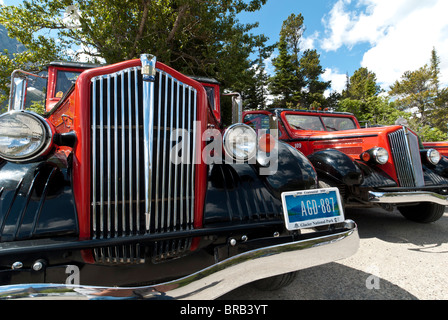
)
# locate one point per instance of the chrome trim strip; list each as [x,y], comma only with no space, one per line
[407,197]
[130,166]
[218,279]
[148,137]
[123,163]
[196,137]
[165,116]
[176,167]
[109,156]
[137,153]
[116,155]
[93,124]
[184,148]
[101,161]
[187,182]
[170,163]
[157,164]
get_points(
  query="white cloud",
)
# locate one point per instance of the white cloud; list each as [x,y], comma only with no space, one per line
[309,42]
[338,80]
[401,34]
[269,67]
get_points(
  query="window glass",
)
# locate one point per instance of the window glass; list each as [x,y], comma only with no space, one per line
[257,121]
[64,81]
[338,123]
[304,122]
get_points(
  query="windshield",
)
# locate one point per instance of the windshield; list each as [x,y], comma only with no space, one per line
[305,122]
[318,123]
[338,123]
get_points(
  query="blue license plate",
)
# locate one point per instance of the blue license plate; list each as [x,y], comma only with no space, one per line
[312,208]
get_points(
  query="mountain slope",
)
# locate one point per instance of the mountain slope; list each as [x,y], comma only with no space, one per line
[12,45]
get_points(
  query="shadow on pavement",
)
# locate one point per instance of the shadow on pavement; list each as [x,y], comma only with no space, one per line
[336,281]
[392,227]
[332,281]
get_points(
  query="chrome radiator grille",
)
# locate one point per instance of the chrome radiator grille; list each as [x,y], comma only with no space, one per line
[406,155]
[120,199]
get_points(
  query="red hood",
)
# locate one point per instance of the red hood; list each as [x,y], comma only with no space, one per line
[337,134]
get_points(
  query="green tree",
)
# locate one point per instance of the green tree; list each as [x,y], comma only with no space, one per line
[296,80]
[414,92]
[255,91]
[362,98]
[419,91]
[362,85]
[192,36]
[311,70]
[285,82]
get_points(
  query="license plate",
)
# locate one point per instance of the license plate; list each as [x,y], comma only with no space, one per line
[312,208]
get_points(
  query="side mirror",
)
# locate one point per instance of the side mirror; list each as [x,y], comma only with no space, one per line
[17,97]
[19,86]
[237,107]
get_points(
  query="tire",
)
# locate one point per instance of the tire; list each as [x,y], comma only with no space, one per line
[425,212]
[276,282]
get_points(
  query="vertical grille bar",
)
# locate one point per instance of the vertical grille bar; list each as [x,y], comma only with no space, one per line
[170,164]
[123,152]
[109,160]
[101,161]
[176,168]
[116,180]
[130,159]
[157,164]
[137,149]
[94,156]
[195,152]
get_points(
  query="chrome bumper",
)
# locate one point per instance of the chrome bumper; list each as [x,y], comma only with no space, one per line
[407,197]
[215,280]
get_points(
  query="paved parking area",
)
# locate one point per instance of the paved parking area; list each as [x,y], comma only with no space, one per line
[397,259]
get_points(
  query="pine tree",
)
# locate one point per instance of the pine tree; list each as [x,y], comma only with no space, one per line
[419,92]
[311,70]
[284,83]
[296,80]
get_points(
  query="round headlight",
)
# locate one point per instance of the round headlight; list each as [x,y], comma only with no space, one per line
[433,156]
[240,142]
[23,136]
[380,155]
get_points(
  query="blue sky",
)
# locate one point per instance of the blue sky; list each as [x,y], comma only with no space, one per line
[388,37]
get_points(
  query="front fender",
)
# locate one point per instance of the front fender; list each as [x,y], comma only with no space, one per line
[336,166]
[442,167]
[36,200]
[238,192]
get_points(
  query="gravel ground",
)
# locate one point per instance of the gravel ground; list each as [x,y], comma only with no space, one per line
[397,260]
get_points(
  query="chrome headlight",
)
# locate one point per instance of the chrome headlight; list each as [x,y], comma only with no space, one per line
[23,136]
[433,156]
[240,142]
[378,155]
